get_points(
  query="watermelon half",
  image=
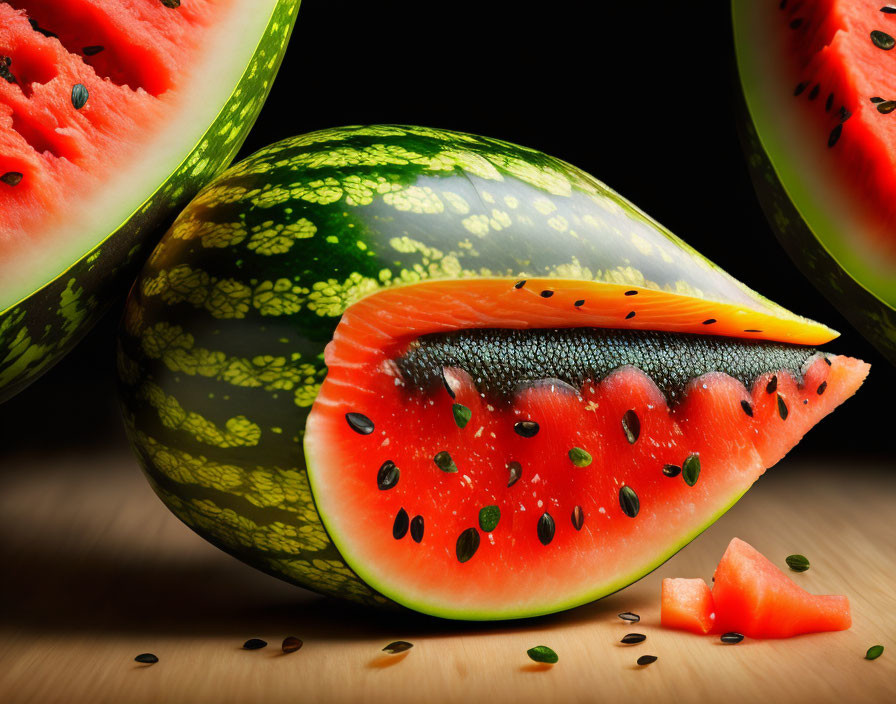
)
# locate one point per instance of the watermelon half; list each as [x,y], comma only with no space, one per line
[400,364]
[113,113]
[819,82]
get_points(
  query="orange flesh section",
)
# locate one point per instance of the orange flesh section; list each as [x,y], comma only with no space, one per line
[687,605]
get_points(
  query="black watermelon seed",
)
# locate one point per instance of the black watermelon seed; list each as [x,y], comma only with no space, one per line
[835,135]
[800,87]
[877,99]
[782,4]
[829,103]
[646,659]
[526,428]
[813,94]
[748,409]
[46,32]
[827,361]
[886,107]
[882,40]
[709,321]
[545,528]
[752,330]
[255,644]
[173,4]
[797,23]
[631,426]
[489,516]
[844,114]
[12,178]
[447,385]
[467,544]
[580,457]
[578,518]
[671,470]
[388,475]
[79,95]
[821,387]
[630,617]
[690,469]
[92,50]
[516,471]
[444,462]
[731,637]
[147,658]
[805,401]
[629,502]
[462,414]
[579,303]
[400,525]
[782,408]
[291,644]
[360,423]
[631,293]
[5,73]
[630,638]
[547,293]
[630,315]
[520,284]
[417,529]
[399,646]
[888,10]
[772,385]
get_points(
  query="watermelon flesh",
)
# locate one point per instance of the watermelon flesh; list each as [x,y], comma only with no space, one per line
[750,595]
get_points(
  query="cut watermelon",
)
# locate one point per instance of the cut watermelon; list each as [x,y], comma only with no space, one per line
[524,394]
[820,88]
[687,604]
[112,115]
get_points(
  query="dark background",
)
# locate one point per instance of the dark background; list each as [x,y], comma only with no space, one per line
[640,94]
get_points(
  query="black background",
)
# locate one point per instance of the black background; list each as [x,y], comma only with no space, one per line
[643,95]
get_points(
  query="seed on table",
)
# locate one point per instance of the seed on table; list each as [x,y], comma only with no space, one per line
[291,644]
[146,658]
[255,644]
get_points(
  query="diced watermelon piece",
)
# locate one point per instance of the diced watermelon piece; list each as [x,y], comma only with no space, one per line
[688,605]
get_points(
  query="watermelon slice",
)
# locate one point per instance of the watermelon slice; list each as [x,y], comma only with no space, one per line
[687,604]
[820,90]
[514,391]
[112,114]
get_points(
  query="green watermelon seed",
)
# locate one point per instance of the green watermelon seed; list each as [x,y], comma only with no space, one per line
[545,528]
[388,475]
[542,653]
[882,40]
[886,107]
[835,135]
[462,414]
[772,385]
[748,409]
[467,544]
[800,87]
[782,408]
[631,426]
[291,644]
[646,660]
[671,470]
[731,637]
[147,659]
[417,529]
[526,428]
[813,94]
[400,525]
[797,563]
[255,644]
[578,518]
[632,638]
[398,646]
[92,50]
[631,314]
[821,387]
[516,471]
[690,469]
[580,457]
[79,95]
[829,103]
[630,617]
[360,423]
[489,517]
[629,502]
[444,462]
[874,652]
[12,178]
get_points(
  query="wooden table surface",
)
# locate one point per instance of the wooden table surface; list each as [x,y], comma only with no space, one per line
[95,571]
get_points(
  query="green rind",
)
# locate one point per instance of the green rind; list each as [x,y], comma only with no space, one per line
[807,234]
[37,331]
[221,348]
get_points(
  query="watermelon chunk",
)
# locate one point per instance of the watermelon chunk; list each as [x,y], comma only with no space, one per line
[687,604]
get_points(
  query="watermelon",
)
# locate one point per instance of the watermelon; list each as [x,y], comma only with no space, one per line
[750,595]
[112,115]
[819,91]
[411,366]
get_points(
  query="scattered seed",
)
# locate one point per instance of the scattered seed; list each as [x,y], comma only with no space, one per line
[400,525]
[580,457]
[467,544]
[709,321]
[630,315]
[152,659]
[629,501]
[827,361]
[516,471]
[398,646]
[772,385]
[489,517]
[578,518]
[547,293]
[797,23]
[630,617]
[545,528]
[542,653]
[882,40]
[671,470]
[829,103]
[813,94]
[388,475]
[462,414]
[520,284]
[874,652]
[92,50]
[821,387]
[447,385]
[79,95]
[800,87]
[886,107]
[731,637]
[631,426]
[579,303]
[360,423]
[417,529]
[526,428]
[173,4]
[646,659]
[888,10]
[255,644]
[835,135]
[291,644]
[12,178]
[444,462]
[748,408]
[877,99]
[690,469]
[782,408]
[631,638]
[798,563]
[631,293]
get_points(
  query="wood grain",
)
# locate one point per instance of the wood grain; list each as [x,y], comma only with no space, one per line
[96,571]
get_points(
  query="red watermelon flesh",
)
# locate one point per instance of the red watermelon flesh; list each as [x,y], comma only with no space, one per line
[687,605]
